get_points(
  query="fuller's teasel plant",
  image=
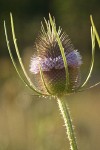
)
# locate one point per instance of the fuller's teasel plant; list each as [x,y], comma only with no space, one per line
[56,67]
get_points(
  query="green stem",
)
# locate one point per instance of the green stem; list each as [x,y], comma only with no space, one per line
[68,123]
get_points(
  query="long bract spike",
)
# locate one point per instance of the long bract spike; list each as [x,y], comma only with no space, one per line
[90,87]
[93,53]
[62,51]
[19,57]
[42,77]
[14,64]
[95,31]
[43,80]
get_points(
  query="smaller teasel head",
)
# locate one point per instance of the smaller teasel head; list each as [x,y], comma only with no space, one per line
[47,64]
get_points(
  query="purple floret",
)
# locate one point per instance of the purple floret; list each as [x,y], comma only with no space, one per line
[73,60]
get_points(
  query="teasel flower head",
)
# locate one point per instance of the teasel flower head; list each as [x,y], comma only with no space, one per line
[49,59]
[56,67]
[56,63]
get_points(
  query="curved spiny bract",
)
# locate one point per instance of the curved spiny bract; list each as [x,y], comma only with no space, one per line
[48,56]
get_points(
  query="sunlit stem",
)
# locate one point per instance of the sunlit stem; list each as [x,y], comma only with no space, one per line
[68,123]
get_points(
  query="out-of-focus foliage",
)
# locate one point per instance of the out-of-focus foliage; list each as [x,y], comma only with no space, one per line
[26,121]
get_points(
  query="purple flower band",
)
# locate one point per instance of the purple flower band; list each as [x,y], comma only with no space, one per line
[73,59]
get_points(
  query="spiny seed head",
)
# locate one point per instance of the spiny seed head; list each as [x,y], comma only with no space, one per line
[48,57]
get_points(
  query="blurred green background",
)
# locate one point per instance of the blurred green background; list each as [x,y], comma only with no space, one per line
[28,122]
